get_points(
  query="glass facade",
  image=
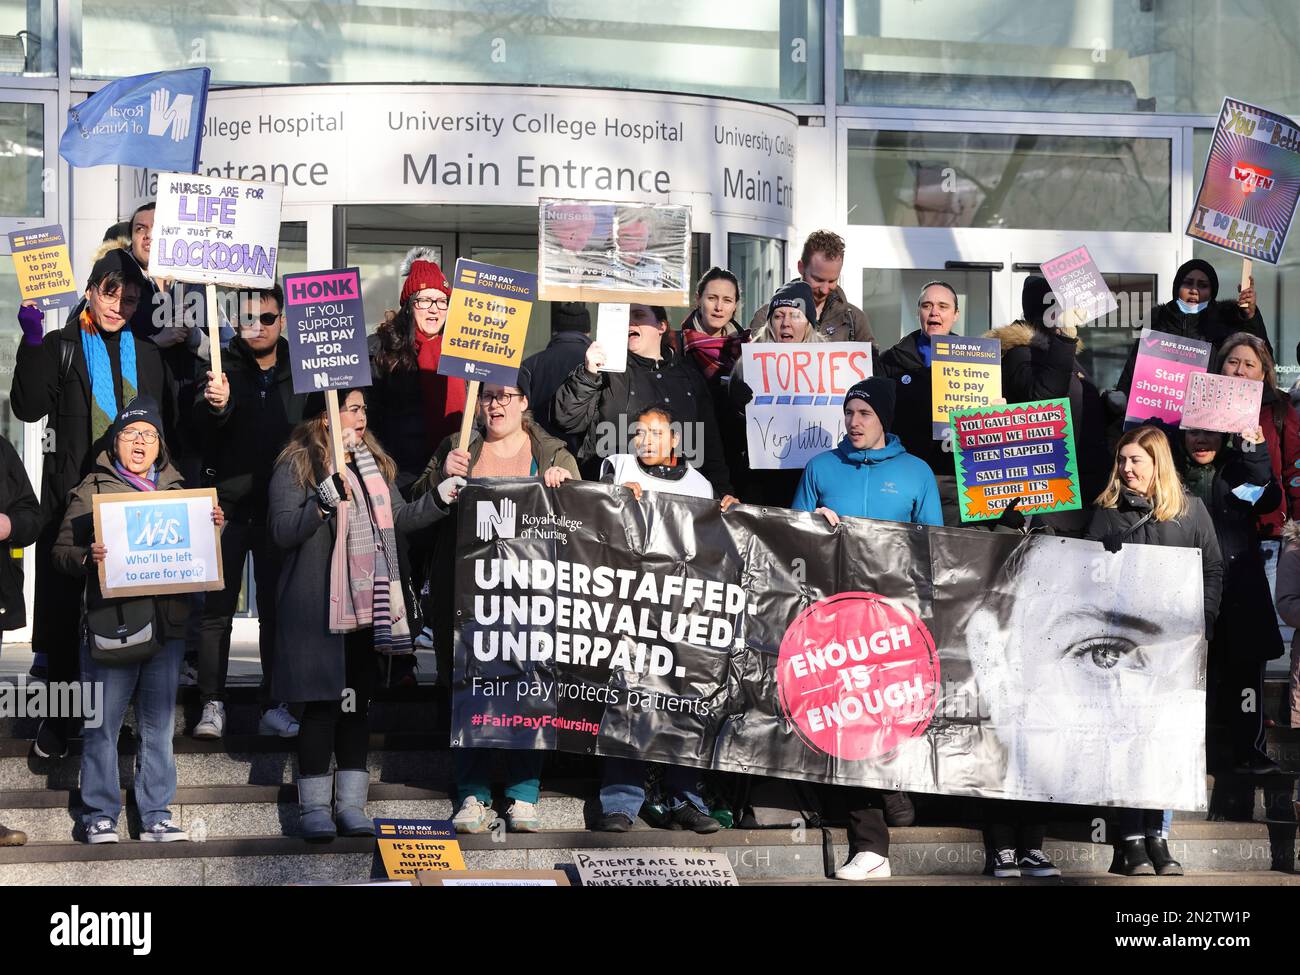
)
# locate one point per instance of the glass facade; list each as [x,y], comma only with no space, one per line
[22,159]
[759,264]
[28,38]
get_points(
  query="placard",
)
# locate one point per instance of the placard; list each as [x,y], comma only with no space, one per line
[409,846]
[612,329]
[216,231]
[964,372]
[1228,404]
[493,878]
[1081,293]
[593,250]
[159,543]
[487,322]
[325,326]
[43,268]
[798,407]
[1250,184]
[1024,451]
[1161,371]
[653,868]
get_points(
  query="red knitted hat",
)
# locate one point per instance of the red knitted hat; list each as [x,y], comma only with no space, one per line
[420,272]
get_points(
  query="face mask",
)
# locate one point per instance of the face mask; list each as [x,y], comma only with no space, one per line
[1191,309]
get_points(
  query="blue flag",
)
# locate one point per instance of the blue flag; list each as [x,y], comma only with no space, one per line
[151,120]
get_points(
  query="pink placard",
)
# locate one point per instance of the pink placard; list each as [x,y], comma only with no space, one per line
[1223,403]
[1161,372]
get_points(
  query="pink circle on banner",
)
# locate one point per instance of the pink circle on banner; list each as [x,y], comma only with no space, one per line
[858,675]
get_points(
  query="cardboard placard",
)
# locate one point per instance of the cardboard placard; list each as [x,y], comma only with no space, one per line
[159,542]
[325,326]
[1022,450]
[612,321]
[1250,185]
[1081,293]
[216,231]
[595,250]
[493,878]
[408,846]
[965,372]
[654,868]
[487,323]
[798,407]
[43,268]
[1161,372]
[1227,404]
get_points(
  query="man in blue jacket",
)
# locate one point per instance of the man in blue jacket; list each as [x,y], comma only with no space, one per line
[870,475]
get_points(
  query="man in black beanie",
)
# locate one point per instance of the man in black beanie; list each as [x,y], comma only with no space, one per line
[570,336]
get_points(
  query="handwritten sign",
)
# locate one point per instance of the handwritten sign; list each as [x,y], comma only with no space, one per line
[493,878]
[216,231]
[1227,404]
[487,322]
[1161,372]
[1081,293]
[798,407]
[325,326]
[1251,183]
[43,268]
[654,868]
[1024,450]
[964,372]
[409,846]
[159,542]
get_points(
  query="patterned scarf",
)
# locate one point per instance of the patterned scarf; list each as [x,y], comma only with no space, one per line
[141,482]
[103,397]
[715,355]
[365,575]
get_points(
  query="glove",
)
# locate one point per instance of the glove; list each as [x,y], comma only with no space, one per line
[330,492]
[1011,518]
[449,488]
[32,321]
[743,394]
[1113,542]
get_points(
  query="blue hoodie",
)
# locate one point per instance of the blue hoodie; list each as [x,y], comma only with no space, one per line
[887,484]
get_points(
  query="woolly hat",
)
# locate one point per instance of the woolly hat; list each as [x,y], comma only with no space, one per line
[419,271]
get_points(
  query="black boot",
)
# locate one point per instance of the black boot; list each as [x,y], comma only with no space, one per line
[1158,851]
[686,816]
[1131,860]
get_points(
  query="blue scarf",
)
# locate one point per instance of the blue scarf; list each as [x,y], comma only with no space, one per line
[103,397]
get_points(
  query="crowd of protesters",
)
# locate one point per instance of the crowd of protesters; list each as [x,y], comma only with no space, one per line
[352,565]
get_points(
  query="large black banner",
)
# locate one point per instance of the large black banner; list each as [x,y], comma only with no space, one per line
[762,641]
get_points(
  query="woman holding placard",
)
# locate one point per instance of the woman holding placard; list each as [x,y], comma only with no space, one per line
[145,670]
[344,600]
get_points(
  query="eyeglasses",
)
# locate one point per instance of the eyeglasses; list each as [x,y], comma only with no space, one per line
[502,398]
[269,318]
[133,436]
[119,296]
[360,408]
[422,303]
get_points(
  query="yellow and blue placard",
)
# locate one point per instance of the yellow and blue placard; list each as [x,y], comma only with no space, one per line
[487,322]
[408,845]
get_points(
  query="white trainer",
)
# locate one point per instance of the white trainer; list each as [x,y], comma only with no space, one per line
[278,721]
[212,723]
[473,816]
[864,866]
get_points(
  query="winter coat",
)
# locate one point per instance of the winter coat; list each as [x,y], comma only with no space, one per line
[18,502]
[547,371]
[71,552]
[887,484]
[1288,594]
[1284,455]
[241,441]
[1194,529]
[838,321]
[914,405]
[309,659]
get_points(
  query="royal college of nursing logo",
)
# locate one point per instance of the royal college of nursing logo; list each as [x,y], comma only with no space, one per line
[489,518]
[167,112]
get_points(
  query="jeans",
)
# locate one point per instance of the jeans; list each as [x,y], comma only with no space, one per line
[623,788]
[152,684]
[474,774]
[1135,823]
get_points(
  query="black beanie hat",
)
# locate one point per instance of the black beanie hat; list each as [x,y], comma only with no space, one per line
[878,393]
[141,409]
[117,259]
[1033,298]
[1196,264]
[570,316]
[796,294]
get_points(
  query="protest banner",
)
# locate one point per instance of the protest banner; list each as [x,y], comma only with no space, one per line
[1161,371]
[411,846]
[879,654]
[964,372]
[653,868]
[216,232]
[593,250]
[1081,293]
[43,268]
[798,407]
[159,543]
[612,324]
[492,878]
[1023,452]
[325,325]
[487,324]
[1227,404]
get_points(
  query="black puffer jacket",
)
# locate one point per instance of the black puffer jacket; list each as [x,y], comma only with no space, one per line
[1131,523]
[18,502]
[913,403]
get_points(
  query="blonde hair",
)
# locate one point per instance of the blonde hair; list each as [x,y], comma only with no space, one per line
[1169,500]
[308,453]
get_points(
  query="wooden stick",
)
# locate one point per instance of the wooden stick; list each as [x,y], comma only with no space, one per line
[214,333]
[1245,273]
[336,429]
[471,404]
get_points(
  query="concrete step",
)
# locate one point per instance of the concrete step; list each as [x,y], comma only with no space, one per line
[917,853]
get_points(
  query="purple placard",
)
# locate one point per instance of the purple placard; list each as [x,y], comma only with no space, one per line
[325,326]
[1081,292]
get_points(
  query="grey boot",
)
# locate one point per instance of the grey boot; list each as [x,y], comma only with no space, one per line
[314,801]
[350,788]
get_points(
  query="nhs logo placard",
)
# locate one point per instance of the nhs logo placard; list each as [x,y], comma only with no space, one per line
[157,527]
